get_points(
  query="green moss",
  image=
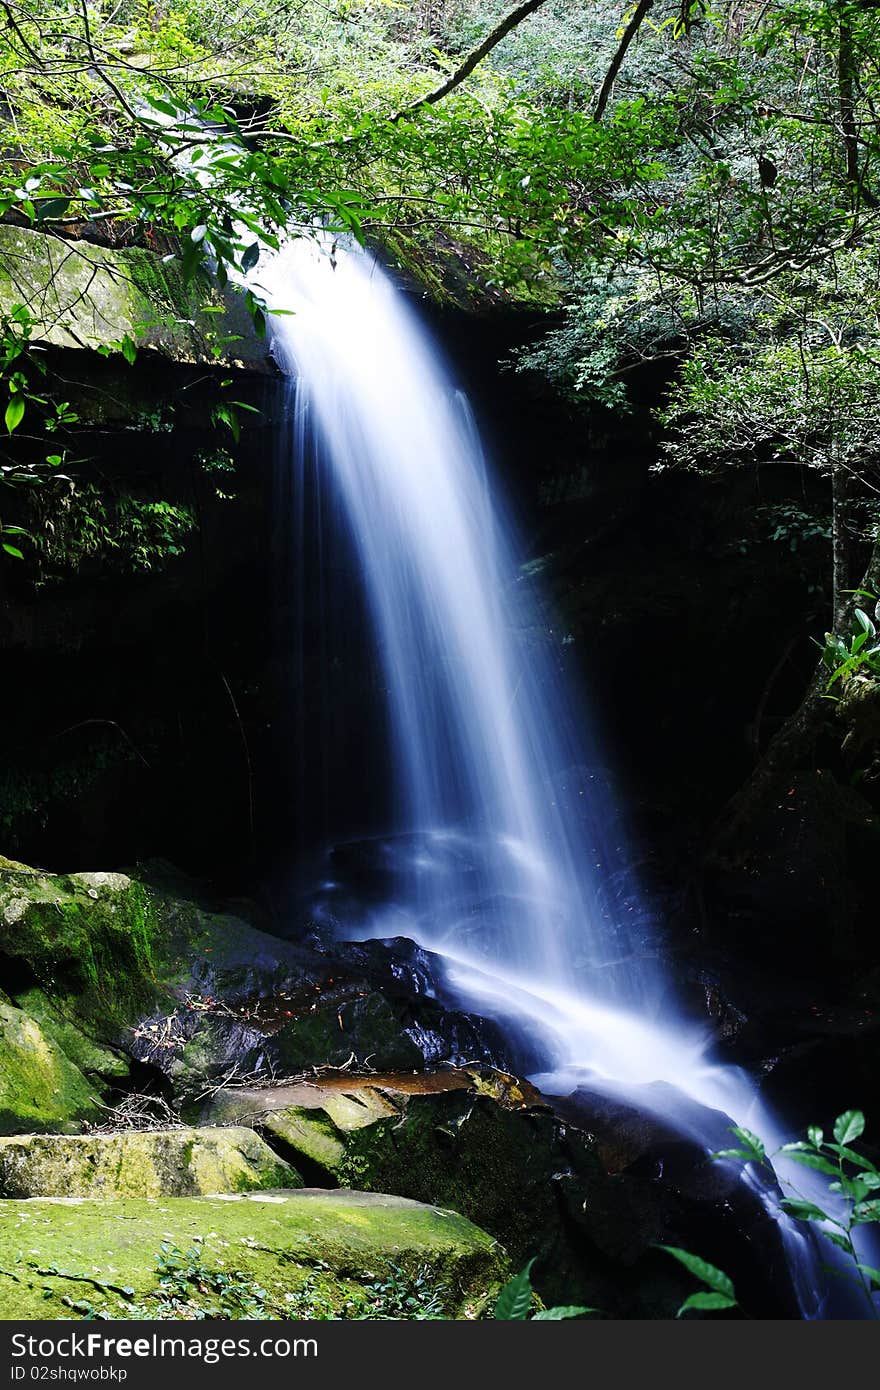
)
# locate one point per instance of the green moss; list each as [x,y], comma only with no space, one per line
[40,1088]
[317,1131]
[145,1163]
[368,1027]
[82,1050]
[86,938]
[86,296]
[276,1240]
[473,1141]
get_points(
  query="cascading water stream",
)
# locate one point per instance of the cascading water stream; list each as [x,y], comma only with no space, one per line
[484,748]
[506,845]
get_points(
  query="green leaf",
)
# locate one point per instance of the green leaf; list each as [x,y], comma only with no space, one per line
[707,1302]
[751,1142]
[12,550]
[841,1241]
[849,1126]
[810,1160]
[872,1273]
[515,1299]
[52,207]
[128,348]
[250,257]
[565,1311]
[701,1269]
[855,1158]
[804,1211]
[815,1135]
[15,412]
[865,1212]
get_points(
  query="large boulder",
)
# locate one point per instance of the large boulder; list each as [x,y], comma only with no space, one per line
[40,1088]
[301,1254]
[146,1163]
[145,967]
[479,1142]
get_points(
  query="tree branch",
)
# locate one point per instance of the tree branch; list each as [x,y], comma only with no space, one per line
[616,64]
[473,59]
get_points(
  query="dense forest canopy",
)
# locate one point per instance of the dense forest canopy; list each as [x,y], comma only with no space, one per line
[692,185]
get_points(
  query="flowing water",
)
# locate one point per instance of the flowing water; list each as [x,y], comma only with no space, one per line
[505,850]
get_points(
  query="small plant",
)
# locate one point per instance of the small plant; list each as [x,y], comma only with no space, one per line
[859,653]
[855,1183]
[719,1292]
[517,1297]
[400,1295]
[189,1289]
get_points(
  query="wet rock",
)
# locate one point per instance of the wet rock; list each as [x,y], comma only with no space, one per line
[663,1189]
[144,1163]
[115,964]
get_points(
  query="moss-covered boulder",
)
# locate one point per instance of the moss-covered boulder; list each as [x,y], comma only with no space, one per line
[81,295]
[145,1163]
[302,1253]
[40,1088]
[144,966]
[85,939]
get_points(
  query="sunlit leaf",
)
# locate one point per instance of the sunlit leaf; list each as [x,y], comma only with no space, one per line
[515,1299]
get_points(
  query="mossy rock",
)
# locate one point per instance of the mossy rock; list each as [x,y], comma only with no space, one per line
[365,1030]
[312,1121]
[68,1258]
[86,939]
[145,1163]
[471,1140]
[81,295]
[40,1088]
[87,1054]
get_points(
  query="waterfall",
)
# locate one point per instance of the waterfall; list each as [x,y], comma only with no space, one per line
[508,859]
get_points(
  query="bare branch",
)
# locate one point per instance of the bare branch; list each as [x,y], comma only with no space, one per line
[616,63]
[473,59]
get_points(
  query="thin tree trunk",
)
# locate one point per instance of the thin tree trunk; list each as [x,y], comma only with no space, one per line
[840,547]
[847,77]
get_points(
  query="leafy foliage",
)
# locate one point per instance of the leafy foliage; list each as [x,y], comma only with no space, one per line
[853,1191]
[720,1293]
[516,1302]
[857,654]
